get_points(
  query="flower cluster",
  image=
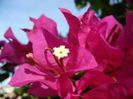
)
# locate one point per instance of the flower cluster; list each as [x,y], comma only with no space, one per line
[93,62]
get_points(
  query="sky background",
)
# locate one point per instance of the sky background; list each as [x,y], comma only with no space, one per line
[16,13]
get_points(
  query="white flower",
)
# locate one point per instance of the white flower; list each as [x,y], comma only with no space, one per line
[61,51]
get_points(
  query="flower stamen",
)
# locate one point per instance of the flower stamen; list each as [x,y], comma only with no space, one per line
[60,52]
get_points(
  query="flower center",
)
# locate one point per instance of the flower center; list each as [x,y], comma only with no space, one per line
[61,51]
[57,52]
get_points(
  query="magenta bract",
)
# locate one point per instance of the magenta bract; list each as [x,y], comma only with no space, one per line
[93,62]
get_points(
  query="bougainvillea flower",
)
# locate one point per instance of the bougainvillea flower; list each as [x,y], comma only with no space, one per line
[53,63]
[67,68]
[96,35]
[13,51]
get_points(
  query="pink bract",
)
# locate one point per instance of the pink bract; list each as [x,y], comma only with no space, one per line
[46,72]
[98,66]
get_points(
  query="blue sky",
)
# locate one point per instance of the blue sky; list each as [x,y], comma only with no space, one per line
[16,13]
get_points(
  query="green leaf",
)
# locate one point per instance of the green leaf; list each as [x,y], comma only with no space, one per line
[80,3]
[22,90]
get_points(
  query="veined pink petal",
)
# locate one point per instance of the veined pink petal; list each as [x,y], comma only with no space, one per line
[90,18]
[39,44]
[53,40]
[64,86]
[45,23]
[41,90]
[125,76]
[80,60]
[26,74]
[111,24]
[109,91]
[74,26]
[89,22]
[9,35]
[11,54]
[102,50]
[14,51]
[129,29]
[93,79]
